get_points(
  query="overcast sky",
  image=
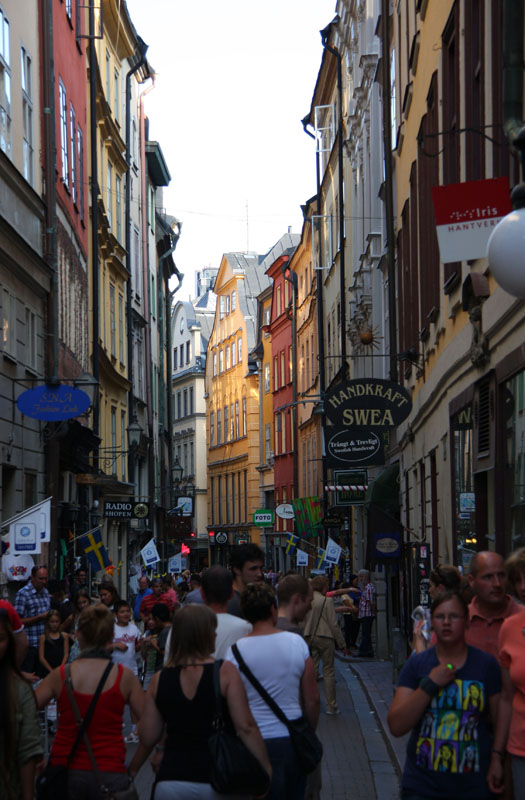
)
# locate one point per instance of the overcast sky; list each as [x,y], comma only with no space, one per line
[235,78]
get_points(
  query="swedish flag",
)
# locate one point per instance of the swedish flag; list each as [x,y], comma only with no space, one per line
[320,558]
[291,543]
[94,549]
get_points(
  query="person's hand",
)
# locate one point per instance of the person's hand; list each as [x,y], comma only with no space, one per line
[120,646]
[443,674]
[495,774]
[156,759]
[31,677]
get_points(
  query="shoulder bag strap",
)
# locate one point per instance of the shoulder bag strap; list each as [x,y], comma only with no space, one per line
[83,723]
[268,699]
[219,718]
[319,618]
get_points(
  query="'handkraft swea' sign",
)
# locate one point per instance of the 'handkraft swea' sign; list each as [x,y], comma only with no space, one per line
[367,403]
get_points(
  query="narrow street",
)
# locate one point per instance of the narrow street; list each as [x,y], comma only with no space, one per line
[360,762]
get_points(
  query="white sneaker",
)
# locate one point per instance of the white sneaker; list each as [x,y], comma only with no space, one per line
[332,711]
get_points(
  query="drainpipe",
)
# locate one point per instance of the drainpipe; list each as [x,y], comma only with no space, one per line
[342,286]
[141,55]
[512,68]
[389,197]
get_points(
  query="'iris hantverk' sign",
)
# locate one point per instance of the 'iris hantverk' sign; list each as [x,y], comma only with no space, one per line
[367,403]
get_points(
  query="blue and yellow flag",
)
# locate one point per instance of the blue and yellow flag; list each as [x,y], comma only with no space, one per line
[291,543]
[319,561]
[94,549]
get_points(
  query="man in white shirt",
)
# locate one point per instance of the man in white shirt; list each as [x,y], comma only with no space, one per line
[217,589]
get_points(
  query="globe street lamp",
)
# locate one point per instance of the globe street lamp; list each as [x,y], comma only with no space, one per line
[506,247]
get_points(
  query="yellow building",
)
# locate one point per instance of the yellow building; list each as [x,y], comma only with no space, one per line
[233,400]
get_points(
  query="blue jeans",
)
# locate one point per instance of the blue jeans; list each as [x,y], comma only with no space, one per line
[288,780]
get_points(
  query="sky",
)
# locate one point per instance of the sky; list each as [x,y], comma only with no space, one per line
[234,80]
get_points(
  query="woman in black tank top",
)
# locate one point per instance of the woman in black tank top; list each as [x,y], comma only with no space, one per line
[183,692]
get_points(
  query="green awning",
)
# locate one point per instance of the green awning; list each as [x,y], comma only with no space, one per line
[384,490]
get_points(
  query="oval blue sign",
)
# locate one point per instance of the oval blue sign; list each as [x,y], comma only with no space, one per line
[53,403]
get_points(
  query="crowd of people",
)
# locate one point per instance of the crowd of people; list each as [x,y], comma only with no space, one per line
[166,654]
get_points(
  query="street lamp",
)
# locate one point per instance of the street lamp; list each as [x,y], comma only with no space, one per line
[134,432]
[177,471]
[506,247]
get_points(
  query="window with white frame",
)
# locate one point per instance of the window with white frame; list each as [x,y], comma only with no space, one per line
[267,377]
[221,361]
[118,206]
[8,323]
[228,361]
[112,321]
[175,357]
[226,429]
[109,194]
[233,354]
[237,419]
[244,417]
[69,8]
[31,340]
[227,304]
[62,105]
[239,350]
[215,365]
[234,300]
[116,94]
[114,435]
[219,426]
[80,166]
[222,306]
[27,115]
[5,85]
[73,151]
[136,261]
[267,442]
[212,428]
[108,77]
[121,327]
[123,443]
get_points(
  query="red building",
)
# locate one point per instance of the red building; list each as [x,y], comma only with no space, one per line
[282,388]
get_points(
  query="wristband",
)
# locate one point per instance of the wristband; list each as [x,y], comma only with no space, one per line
[429,686]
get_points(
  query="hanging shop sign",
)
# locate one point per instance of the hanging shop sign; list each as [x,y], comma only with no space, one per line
[53,403]
[263,518]
[285,511]
[353,446]
[350,487]
[466,214]
[387,545]
[125,509]
[370,403]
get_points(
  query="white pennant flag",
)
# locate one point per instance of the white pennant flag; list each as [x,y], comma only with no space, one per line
[30,528]
[333,552]
[302,558]
[150,554]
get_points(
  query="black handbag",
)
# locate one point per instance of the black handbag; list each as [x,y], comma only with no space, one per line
[308,749]
[52,783]
[234,769]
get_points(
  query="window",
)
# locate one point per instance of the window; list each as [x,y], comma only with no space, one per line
[175,354]
[221,360]
[185,458]
[212,427]
[8,323]
[123,443]
[239,350]
[232,424]
[290,364]
[179,407]
[266,377]
[222,306]
[283,369]
[181,355]
[114,435]
[393,104]
[227,304]
[69,8]
[286,294]
[192,459]
[307,364]
[62,104]
[5,86]
[80,165]
[275,374]
[185,402]
[31,342]
[118,204]
[109,188]
[191,403]
[187,352]
[73,150]
[112,320]
[136,261]
[236,419]
[108,77]
[233,354]
[244,420]
[278,301]
[277,431]
[27,116]
[234,300]
[116,94]
[226,428]
[219,427]
[121,328]
[267,442]
[267,319]
[153,296]
[215,365]
[228,351]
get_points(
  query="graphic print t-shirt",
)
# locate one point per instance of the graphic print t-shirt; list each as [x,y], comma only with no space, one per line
[448,752]
[128,634]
